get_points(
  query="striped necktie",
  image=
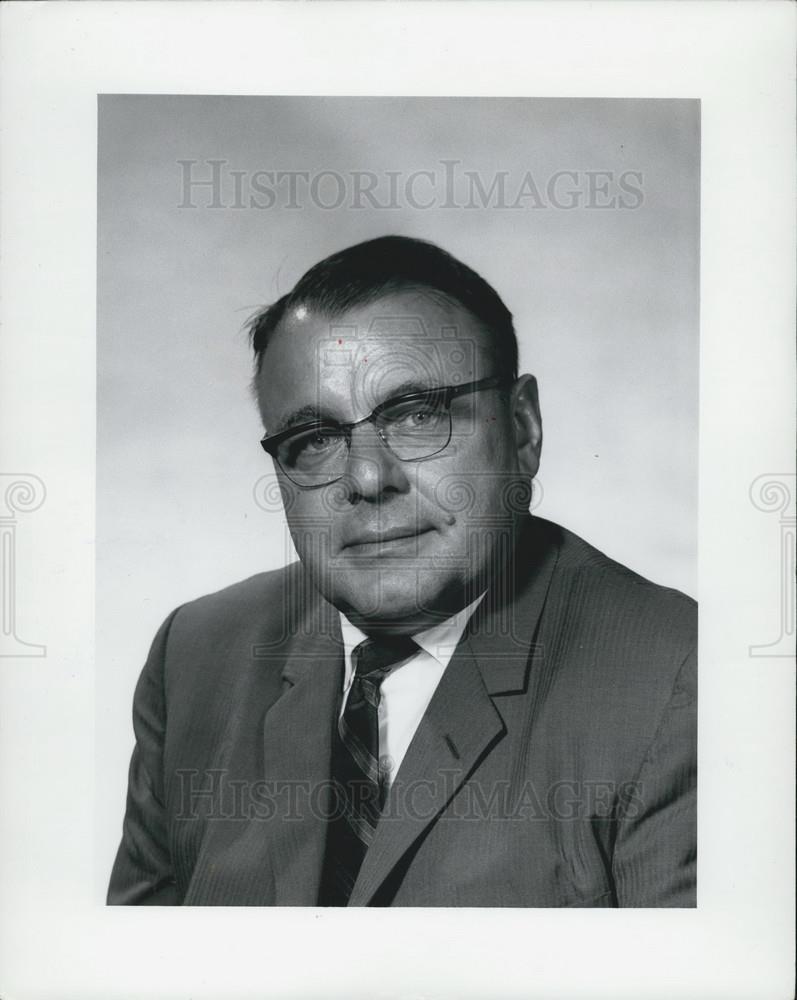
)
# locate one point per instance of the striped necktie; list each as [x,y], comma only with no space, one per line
[355,767]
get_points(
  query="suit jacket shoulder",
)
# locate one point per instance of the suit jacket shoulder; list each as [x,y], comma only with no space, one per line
[623,613]
[263,598]
[620,642]
[218,652]
[251,617]
[620,586]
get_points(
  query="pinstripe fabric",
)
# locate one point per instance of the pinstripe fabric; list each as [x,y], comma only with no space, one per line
[355,767]
[554,766]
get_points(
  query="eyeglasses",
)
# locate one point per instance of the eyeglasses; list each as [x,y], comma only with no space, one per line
[412,427]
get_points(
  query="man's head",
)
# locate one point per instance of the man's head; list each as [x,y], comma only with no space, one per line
[402,518]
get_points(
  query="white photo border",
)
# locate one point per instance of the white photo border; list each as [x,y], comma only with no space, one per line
[58,938]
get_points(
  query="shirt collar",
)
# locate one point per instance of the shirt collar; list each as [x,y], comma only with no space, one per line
[439,641]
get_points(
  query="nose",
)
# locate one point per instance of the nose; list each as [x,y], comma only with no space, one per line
[372,470]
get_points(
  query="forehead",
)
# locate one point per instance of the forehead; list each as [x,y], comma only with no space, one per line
[363,355]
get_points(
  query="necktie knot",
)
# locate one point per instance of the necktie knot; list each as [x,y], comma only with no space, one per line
[373,658]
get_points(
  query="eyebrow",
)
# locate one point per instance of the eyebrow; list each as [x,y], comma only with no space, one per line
[309,414]
[304,415]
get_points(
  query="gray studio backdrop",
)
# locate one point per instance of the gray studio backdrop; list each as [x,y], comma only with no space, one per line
[583,214]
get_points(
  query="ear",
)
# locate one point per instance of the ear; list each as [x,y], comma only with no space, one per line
[527,424]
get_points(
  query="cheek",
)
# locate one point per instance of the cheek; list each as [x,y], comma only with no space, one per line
[488,441]
[310,521]
[473,477]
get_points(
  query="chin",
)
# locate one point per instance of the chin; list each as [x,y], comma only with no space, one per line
[398,598]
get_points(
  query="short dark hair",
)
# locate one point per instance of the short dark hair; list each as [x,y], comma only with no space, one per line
[368,271]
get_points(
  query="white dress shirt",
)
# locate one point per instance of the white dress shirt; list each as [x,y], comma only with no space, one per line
[408,688]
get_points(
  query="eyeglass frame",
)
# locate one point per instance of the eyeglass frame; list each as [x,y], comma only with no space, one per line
[446,394]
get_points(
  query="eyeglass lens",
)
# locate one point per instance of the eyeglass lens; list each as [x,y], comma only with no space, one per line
[412,430]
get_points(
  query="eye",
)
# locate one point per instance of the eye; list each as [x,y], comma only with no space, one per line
[317,441]
[419,417]
[312,446]
[413,416]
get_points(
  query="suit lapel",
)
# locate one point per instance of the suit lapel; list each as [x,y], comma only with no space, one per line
[459,726]
[275,856]
[462,723]
[297,742]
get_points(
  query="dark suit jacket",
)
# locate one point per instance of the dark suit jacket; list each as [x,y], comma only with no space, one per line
[555,765]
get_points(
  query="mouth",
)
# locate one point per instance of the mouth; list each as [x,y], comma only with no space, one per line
[394,540]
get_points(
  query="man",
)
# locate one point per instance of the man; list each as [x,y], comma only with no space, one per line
[446,701]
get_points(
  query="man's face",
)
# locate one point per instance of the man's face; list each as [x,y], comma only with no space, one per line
[399,544]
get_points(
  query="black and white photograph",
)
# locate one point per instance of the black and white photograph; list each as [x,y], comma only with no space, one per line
[397,504]
[445,698]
